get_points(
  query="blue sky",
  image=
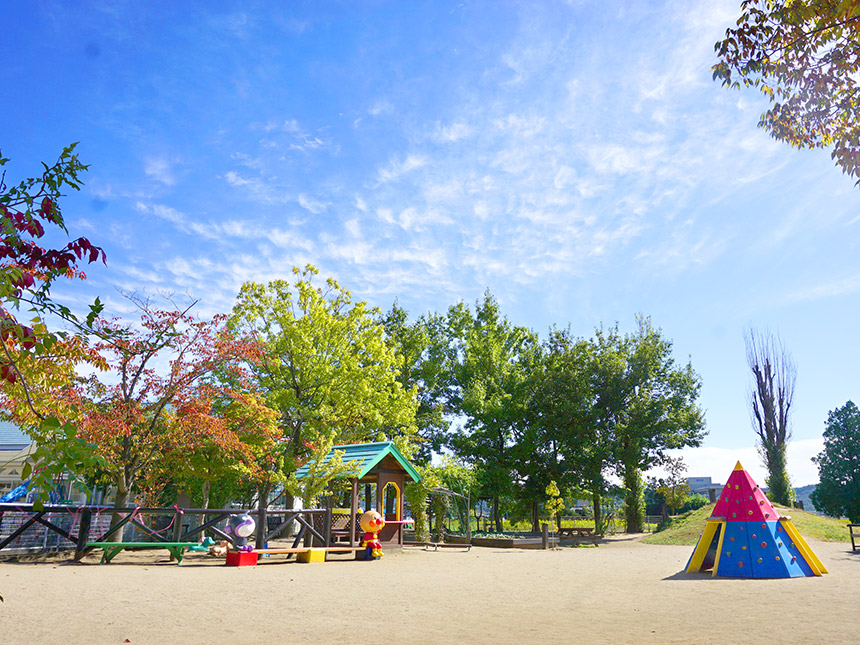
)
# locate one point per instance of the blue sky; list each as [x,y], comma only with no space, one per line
[573,157]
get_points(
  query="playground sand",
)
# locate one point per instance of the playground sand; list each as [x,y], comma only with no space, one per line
[622,592]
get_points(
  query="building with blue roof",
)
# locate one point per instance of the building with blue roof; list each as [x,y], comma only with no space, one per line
[15,445]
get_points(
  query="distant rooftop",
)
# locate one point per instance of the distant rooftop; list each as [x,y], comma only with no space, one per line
[12,437]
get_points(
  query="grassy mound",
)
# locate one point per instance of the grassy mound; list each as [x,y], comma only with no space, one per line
[687,528]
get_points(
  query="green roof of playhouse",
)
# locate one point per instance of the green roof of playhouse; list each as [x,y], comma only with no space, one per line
[368,455]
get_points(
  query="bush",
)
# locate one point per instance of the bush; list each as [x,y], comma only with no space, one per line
[695,502]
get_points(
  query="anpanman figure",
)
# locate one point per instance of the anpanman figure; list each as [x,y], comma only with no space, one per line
[371,524]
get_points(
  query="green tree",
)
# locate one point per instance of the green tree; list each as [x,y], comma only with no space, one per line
[555,502]
[326,369]
[564,439]
[418,494]
[651,404]
[838,490]
[421,350]
[488,375]
[774,375]
[450,476]
[673,488]
[802,55]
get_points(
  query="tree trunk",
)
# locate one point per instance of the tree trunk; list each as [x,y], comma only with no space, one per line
[262,505]
[665,509]
[598,513]
[535,516]
[497,518]
[201,519]
[635,499]
[122,496]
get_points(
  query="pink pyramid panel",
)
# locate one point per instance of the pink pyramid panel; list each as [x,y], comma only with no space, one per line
[741,500]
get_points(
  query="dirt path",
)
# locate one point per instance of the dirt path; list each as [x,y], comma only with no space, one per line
[622,592]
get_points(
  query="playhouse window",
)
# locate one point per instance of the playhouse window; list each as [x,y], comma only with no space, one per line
[391,501]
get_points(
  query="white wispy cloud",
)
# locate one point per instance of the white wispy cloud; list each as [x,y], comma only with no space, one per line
[452,132]
[397,168]
[835,288]
[161,169]
[380,108]
[314,206]
[297,137]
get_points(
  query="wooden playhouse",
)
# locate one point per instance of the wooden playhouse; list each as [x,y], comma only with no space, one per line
[382,475]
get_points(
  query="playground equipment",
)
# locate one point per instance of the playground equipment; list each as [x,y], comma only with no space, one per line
[381,466]
[371,524]
[241,527]
[79,527]
[746,537]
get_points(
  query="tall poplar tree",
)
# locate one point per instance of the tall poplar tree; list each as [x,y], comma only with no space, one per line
[771,397]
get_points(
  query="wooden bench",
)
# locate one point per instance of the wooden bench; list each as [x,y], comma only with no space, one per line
[439,545]
[851,528]
[111,549]
[580,534]
[307,550]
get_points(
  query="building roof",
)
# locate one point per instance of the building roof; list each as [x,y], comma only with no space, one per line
[367,455]
[12,437]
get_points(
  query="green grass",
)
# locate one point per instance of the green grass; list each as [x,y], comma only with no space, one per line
[817,527]
[686,529]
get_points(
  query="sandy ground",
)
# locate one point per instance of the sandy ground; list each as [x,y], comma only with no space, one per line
[621,592]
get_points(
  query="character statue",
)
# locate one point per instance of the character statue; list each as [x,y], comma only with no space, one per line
[371,524]
[240,527]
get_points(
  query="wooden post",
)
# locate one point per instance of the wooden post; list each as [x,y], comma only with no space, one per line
[545,535]
[353,511]
[327,523]
[177,528]
[177,524]
[262,506]
[83,533]
[469,518]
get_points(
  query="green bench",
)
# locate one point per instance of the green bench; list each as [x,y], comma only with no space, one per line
[111,549]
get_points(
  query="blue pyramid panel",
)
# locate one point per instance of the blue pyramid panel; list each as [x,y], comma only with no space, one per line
[793,555]
[760,550]
[735,555]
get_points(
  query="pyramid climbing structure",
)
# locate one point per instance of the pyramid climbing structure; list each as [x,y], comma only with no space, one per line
[746,537]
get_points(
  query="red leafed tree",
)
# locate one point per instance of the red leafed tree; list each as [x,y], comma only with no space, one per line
[169,382]
[28,270]
[31,354]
